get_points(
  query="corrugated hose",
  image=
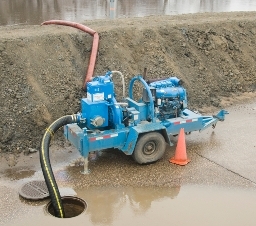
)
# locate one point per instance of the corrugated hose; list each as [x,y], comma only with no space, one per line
[46,165]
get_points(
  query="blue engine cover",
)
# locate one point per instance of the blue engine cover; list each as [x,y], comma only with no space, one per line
[169,88]
[170,97]
[171,92]
[101,88]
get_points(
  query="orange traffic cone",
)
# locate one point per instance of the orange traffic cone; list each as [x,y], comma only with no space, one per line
[180,157]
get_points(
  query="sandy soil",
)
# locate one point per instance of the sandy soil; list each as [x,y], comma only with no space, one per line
[42,67]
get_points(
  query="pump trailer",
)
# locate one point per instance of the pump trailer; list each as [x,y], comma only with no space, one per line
[138,128]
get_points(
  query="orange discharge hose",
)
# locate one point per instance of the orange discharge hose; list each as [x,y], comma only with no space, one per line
[95,45]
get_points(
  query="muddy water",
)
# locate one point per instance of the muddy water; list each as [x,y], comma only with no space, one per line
[35,12]
[186,205]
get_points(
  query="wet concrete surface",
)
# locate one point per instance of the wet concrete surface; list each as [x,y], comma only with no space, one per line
[218,186]
[235,147]
[35,12]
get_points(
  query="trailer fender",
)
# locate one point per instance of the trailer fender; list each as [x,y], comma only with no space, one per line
[136,131]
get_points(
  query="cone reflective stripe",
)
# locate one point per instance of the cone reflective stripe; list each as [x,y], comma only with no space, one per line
[180,156]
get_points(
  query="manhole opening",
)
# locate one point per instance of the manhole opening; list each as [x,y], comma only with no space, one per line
[73,206]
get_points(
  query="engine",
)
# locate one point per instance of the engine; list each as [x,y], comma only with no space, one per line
[169,97]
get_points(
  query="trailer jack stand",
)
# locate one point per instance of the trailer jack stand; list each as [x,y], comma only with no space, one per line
[86,169]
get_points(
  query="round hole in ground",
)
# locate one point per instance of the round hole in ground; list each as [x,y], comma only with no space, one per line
[73,206]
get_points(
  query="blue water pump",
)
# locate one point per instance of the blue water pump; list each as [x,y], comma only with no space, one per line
[138,128]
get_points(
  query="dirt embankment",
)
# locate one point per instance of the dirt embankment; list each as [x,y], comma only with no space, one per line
[42,66]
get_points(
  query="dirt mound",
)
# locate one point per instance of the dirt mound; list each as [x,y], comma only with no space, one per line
[42,67]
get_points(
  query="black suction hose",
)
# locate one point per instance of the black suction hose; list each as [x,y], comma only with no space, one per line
[46,165]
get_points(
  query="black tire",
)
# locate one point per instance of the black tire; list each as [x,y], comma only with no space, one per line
[149,148]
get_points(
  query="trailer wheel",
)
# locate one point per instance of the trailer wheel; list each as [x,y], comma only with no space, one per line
[149,148]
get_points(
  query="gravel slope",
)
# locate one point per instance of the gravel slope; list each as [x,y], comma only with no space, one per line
[42,67]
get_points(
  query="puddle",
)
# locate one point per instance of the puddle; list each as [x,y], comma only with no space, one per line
[188,205]
[35,12]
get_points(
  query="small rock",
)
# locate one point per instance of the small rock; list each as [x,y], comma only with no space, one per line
[206,52]
[32,150]
[29,150]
